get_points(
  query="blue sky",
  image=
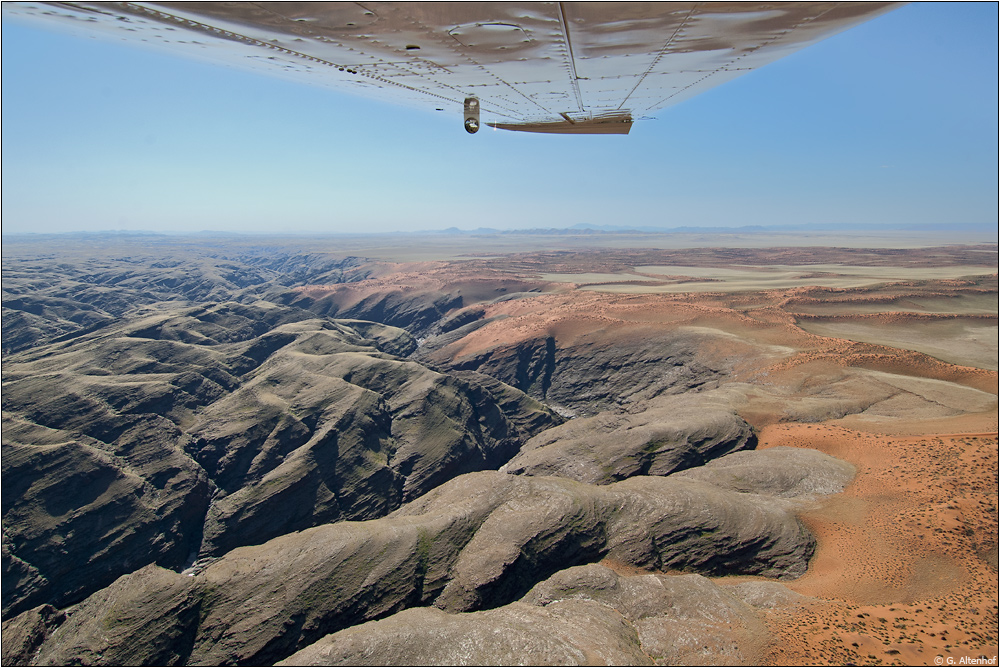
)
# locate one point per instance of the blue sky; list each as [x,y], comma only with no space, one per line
[891,122]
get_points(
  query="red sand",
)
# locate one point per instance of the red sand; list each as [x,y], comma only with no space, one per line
[907,562]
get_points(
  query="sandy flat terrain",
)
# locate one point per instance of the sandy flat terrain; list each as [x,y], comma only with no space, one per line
[906,569]
[958,341]
[971,304]
[721,279]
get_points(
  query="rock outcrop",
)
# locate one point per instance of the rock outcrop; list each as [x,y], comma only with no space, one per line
[591,375]
[565,633]
[238,455]
[784,472]
[478,542]
[194,430]
[669,435]
[581,615]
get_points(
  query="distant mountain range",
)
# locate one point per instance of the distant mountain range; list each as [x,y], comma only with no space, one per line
[590,228]
[988,229]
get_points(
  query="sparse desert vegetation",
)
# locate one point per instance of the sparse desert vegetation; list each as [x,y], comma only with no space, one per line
[249,450]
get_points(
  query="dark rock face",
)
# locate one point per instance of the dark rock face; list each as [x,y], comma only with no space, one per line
[24,634]
[205,428]
[479,541]
[586,377]
[78,513]
[416,311]
[580,615]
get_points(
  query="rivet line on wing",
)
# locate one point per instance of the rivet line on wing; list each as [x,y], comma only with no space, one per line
[486,103]
[228,34]
[508,85]
[430,34]
[728,67]
[491,105]
[660,55]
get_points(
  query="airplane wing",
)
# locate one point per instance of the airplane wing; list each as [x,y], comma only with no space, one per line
[566,67]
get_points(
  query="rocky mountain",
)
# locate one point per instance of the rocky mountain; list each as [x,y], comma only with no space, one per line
[231,455]
[50,296]
[581,615]
[176,433]
[479,542]
[656,438]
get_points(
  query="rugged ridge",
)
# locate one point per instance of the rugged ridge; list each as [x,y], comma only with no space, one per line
[51,297]
[480,541]
[579,615]
[199,429]
[653,438]
[590,374]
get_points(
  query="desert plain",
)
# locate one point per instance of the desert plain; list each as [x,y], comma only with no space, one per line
[499,449]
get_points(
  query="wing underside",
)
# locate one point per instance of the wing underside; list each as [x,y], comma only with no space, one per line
[587,67]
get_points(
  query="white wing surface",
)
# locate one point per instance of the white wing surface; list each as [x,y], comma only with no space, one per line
[578,67]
